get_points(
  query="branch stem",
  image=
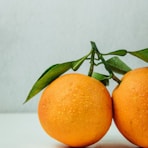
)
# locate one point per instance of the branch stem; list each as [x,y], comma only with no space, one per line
[100,56]
[91,68]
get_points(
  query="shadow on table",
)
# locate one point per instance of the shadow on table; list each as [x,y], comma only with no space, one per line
[109,145]
[114,145]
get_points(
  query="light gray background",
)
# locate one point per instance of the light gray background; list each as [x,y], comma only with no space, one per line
[34,34]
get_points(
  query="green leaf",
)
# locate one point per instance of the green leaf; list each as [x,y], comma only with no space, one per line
[117,65]
[101,77]
[121,52]
[76,64]
[93,45]
[47,77]
[141,54]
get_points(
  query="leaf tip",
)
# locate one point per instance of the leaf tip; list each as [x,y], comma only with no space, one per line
[27,99]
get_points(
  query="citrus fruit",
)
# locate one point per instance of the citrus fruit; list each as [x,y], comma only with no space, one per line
[130,106]
[75,109]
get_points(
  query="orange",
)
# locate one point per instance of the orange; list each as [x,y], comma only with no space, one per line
[130,106]
[76,110]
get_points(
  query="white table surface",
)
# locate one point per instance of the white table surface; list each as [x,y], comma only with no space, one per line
[24,131]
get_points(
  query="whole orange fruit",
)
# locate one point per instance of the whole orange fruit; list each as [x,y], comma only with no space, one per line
[75,109]
[130,106]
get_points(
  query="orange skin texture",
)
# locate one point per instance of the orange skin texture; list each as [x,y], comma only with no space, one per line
[76,110]
[130,106]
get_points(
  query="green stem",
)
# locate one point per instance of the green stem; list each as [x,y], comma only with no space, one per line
[100,56]
[91,63]
[116,79]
